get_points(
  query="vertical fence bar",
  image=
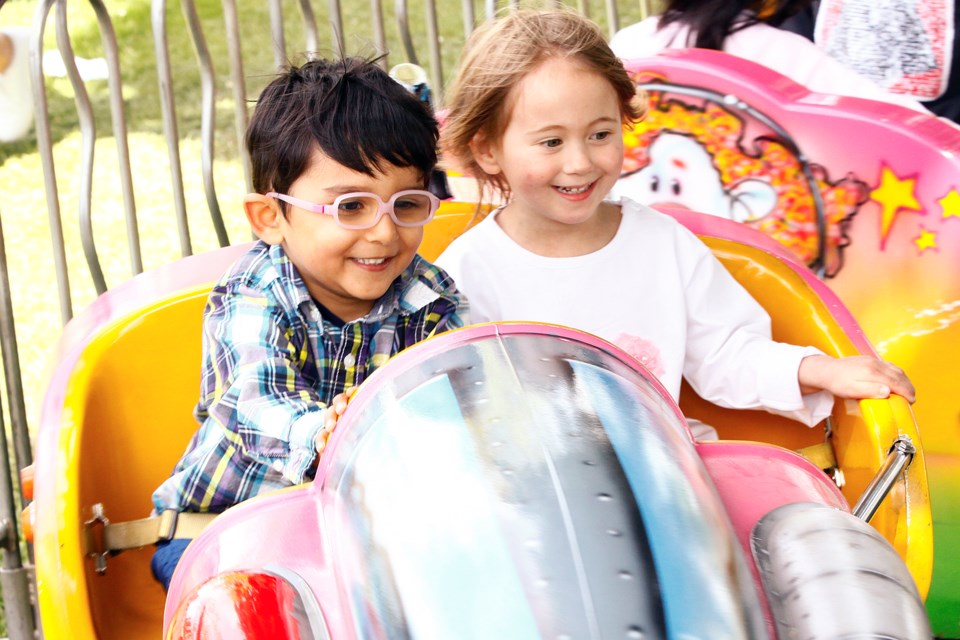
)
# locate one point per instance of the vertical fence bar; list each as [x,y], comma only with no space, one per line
[88,136]
[169,111]
[403,26]
[433,45]
[117,116]
[646,9]
[45,149]
[276,32]
[11,367]
[235,51]
[336,26]
[469,18]
[208,117]
[379,33]
[14,577]
[310,29]
[613,17]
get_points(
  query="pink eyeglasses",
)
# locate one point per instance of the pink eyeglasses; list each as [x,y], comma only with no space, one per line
[410,208]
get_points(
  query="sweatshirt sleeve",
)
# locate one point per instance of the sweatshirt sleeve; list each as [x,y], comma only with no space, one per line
[731,358]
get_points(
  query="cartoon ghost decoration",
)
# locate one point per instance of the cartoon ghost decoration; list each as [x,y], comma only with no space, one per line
[699,156]
[681,174]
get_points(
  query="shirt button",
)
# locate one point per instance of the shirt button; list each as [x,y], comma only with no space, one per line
[278,466]
[349,360]
[314,314]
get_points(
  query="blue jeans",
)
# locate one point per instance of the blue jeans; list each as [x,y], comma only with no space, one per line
[165,560]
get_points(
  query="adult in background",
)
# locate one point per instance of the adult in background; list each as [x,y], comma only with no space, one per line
[749,29]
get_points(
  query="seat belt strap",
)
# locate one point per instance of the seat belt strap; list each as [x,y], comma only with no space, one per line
[102,538]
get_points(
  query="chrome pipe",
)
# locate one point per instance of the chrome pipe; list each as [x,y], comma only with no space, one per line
[898,459]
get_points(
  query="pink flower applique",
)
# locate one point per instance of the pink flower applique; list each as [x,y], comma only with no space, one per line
[643,350]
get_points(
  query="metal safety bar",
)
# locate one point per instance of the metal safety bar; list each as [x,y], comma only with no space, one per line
[899,457]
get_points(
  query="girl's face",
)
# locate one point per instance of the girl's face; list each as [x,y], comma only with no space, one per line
[347,270]
[562,149]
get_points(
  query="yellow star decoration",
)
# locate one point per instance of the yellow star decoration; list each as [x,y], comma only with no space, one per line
[950,204]
[926,240]
[893,195]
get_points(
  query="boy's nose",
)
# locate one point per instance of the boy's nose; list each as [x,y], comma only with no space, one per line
[384,231]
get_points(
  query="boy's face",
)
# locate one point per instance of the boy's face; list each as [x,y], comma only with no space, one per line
[347,270]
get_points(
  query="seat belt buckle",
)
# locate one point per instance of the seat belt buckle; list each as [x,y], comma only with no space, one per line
[94,542]
[168,525]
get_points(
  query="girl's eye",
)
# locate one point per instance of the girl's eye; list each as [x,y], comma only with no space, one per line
[552,143]
[601,135]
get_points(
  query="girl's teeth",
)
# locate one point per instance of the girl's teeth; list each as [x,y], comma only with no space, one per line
[371,260]
[574,190]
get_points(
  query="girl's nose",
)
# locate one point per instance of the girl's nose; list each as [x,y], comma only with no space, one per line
[577,160]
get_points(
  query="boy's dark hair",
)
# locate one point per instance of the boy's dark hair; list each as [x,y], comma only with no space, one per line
[351,109]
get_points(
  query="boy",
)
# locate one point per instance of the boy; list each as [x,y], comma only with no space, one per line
[341,155]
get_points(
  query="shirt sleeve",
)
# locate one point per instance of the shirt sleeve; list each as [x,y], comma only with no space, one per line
[731,358]
[253,382]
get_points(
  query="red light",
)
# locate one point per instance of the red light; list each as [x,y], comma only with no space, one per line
[241,606]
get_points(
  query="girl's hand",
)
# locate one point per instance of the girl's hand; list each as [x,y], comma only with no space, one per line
[331,417]
[854,377]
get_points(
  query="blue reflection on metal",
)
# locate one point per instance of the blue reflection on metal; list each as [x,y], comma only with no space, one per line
[693,548]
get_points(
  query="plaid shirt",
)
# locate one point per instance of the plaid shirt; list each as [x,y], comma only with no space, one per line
[271,365]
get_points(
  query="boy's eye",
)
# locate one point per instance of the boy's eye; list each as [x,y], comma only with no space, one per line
[601,135]
[552,143]
[406,204]
[352,206]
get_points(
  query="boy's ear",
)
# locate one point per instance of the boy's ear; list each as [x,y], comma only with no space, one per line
[264,215]
[484,152]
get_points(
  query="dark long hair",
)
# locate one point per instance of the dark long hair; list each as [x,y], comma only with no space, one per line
[711,21]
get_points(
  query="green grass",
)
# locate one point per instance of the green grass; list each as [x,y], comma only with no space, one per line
[23,208]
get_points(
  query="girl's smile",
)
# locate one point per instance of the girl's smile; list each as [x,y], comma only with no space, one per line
[577,193]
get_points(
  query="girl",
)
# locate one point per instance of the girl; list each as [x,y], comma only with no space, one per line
[536,113]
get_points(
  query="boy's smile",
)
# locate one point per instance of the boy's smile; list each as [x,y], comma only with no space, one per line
[345,270]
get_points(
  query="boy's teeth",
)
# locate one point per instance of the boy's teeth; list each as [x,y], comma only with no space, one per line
[574,190]
[371,260]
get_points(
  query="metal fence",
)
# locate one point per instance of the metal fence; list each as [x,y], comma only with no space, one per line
[428,32]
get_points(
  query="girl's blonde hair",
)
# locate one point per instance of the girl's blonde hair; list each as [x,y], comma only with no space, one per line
[499,54]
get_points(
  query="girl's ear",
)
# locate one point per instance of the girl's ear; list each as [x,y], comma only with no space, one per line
[485,152]
[264,215]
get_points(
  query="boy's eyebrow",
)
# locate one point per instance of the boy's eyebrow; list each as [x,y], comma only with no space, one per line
[341,189]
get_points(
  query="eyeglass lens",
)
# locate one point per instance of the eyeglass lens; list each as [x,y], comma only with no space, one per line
[410,208]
